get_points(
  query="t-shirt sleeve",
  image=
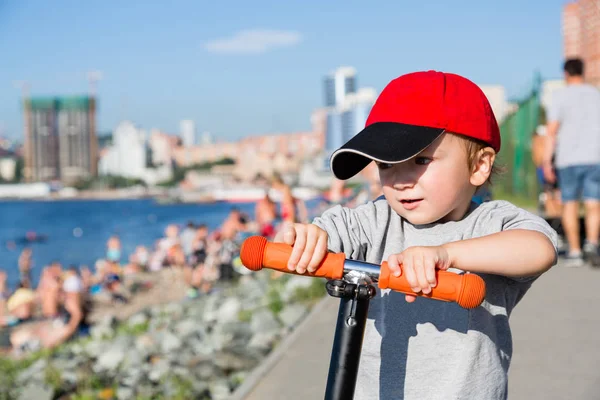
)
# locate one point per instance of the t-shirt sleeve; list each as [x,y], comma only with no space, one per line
[555,109]
[349,230]
[506,216]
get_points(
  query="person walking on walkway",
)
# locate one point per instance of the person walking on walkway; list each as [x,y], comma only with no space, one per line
[574,134]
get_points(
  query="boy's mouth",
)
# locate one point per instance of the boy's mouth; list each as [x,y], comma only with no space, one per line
[410,204]
[408,201]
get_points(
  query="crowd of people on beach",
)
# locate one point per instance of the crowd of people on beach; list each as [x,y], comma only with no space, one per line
[57,309]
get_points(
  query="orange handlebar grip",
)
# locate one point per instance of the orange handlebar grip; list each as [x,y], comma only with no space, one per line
[467,290]
[256,253]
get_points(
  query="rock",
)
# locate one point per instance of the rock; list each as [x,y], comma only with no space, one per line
[110,360]
[295,282]
[105,328]
[263,341]
[77,349]
[145,391]
[219,389]
[146,345]
[37,392]
[211,309]
[34,372]
[227,335]
[95,347]
[133,360]
[202,348]
[99,332]
[170,343]
[236,379]
[229,310]
[292,314]
[159,370]
[188,327]
[182,372]
[231,361]
[138,319]
[132,378]
[254,289]
[174,310]
[125,393]
[206,371]
[69,377]
[264,321]
[200,389]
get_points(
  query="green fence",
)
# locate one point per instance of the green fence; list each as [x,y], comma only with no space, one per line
[518,179]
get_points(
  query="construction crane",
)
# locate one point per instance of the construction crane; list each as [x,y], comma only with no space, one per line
[93,78]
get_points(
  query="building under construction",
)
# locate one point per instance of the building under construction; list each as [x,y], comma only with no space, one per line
[60,139]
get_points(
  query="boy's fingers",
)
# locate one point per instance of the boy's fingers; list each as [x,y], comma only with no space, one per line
[410,298]
[409,272]
[319,253]
[309,249]
[430,272]
[282,231]
[298,248]
[289,234]
[419,263]
[394,265]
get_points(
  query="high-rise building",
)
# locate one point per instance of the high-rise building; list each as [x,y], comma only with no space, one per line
[338,85]
[131,155]
[571,27]
[127,155]
[187,129]
[349,118]
[581,35]
[60,138]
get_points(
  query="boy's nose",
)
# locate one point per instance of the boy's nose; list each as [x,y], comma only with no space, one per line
[402,185]
[405,177]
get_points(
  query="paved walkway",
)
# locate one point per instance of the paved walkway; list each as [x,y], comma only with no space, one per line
[556,331]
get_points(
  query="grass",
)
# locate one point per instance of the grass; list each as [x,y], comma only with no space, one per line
[132,330]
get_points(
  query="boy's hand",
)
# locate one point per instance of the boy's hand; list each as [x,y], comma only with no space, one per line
[310,246]
[419,265]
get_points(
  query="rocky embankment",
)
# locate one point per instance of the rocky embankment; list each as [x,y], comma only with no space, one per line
[194,349]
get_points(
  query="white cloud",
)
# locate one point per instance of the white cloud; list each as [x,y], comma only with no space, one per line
[255,41]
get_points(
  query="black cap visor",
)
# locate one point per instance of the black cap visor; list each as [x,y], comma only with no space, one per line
[387,142]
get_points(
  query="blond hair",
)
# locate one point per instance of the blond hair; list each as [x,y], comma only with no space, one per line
[472,148]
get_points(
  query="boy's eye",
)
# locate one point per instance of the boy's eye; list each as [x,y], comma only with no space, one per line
[422,160]
[381,165]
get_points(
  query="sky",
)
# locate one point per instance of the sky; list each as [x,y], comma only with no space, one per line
[240,68]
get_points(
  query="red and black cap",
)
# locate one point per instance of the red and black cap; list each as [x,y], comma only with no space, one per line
[411,112]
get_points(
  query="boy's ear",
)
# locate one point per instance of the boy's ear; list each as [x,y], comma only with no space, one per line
[483,166]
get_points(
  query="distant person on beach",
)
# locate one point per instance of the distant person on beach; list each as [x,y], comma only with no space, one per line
[573,133]
[113,251]
[25,264]
[265,213]
[233,225]
[187,238]
[4,292]
[49,333]
[288,202]
[49,289]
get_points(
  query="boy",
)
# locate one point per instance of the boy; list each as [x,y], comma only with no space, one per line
[434,138]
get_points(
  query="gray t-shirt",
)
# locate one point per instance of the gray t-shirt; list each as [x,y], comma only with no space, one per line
[432,349]
[577,109]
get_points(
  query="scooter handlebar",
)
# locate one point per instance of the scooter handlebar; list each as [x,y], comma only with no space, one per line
[466,290]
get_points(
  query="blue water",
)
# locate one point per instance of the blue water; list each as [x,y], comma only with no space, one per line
[137,222]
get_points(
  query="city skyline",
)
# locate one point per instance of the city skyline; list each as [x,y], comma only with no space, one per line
[254,69]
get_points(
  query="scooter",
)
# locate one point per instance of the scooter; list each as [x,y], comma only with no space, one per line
[352,281]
